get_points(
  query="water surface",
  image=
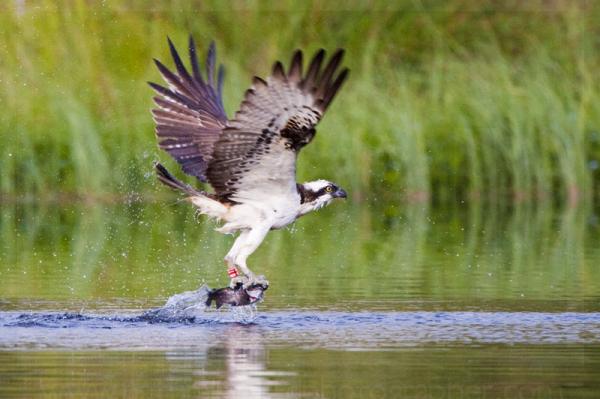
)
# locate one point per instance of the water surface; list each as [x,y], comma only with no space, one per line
[363,303]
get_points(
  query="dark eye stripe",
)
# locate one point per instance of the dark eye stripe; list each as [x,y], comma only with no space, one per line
[326,190]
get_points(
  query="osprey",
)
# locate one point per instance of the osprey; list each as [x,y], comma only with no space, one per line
[249,160]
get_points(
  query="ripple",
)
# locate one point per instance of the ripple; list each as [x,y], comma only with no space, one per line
[325,329]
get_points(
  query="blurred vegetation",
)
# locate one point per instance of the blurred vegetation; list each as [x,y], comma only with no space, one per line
[88,256]
[447,100]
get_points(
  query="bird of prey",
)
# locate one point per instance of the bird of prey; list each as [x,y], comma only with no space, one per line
[250,159]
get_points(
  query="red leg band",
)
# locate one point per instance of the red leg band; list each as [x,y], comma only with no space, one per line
[232,272]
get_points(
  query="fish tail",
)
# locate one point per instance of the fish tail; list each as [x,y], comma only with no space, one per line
[213,297]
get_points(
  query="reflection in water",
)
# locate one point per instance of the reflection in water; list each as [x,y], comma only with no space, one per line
[479,371]
[245,364]
[234,366]
[246,372]
[142,254]
[408,304]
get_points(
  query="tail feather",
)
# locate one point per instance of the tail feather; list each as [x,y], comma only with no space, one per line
[168,179]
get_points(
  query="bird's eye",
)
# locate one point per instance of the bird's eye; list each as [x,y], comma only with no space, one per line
[328,189]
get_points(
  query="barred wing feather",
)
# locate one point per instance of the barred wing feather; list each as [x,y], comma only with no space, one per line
[190,115]
[255,155]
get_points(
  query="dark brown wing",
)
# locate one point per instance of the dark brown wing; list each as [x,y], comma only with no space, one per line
[189,115]
[256,153]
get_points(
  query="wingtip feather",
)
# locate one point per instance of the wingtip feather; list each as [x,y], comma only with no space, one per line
[313,70]
[332,90]
[295,72]
[278,71]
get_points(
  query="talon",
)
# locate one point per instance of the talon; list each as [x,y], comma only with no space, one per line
[237,281]
[256,280]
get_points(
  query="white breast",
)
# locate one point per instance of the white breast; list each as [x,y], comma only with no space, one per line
[277,211]
[269,191]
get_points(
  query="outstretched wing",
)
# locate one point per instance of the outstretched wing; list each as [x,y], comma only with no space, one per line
[255,155]
[189,115]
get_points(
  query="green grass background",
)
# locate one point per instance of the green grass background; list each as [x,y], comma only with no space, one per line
[447,101]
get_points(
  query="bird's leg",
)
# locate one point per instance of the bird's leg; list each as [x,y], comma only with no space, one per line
[236,277]
[232,270]
[250,278]
[248,245]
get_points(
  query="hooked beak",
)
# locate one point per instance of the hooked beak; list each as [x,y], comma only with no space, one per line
[340,193]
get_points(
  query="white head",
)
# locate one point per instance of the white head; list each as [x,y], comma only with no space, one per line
[316,194]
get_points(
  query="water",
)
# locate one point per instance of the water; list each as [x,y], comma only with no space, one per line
[420,304]
[357,331]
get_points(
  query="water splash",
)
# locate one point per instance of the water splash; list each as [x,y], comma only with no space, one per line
[190,306]
[244,314]
[187,306]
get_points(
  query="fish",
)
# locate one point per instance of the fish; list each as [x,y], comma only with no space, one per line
[236,296]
